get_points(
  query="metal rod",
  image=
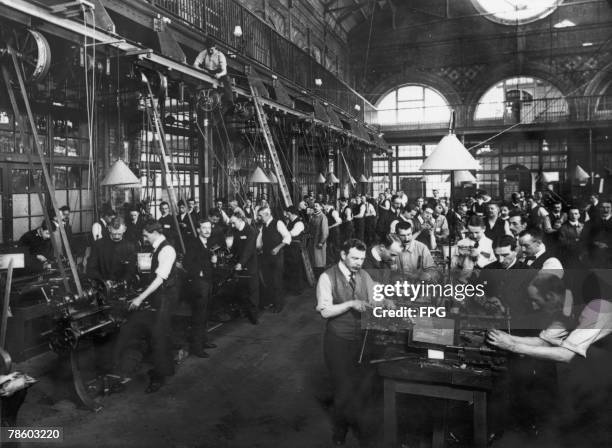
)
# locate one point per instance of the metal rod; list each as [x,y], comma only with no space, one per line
[45,171]
[5,304]
[22,127]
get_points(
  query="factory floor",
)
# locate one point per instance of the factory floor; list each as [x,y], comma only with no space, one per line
[264,386]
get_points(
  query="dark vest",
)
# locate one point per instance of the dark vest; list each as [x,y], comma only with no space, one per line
[270,236]
[533,220]
[347,226]
[171,280]
[292,224]
[497,231]
[346,325]
[539,262]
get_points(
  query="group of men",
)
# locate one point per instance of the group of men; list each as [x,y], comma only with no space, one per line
[556,321]
[405,241]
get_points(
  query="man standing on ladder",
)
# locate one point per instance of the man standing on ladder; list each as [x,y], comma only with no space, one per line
[214,62]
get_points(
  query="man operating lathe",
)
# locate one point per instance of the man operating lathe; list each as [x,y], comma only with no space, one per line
[115,259]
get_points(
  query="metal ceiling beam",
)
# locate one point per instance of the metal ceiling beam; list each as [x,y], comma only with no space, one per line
[350,9]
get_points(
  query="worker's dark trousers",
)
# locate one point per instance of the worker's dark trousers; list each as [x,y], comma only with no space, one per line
[200,310]
[370,230]
[294,268]
[155,326]
[347,231]
[352,383]
[272,268]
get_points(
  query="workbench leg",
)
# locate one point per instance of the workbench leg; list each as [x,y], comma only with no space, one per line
[480,419]
[390,414]
[439,425]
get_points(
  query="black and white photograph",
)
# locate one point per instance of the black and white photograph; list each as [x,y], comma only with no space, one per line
[306,223]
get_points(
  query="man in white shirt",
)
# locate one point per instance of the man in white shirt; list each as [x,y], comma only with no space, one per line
[482,251]
[294,267]
[342,294]
[154,321]
[215,63]
[271,240]
[99,230]
[585,346]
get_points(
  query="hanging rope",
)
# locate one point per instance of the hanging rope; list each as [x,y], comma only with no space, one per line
[367,55]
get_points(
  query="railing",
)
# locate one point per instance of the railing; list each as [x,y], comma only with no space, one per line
[507,113]
[260,42]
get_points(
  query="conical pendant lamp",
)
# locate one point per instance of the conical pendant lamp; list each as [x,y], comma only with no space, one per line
[120,175]
[259,177]
[363,179]
[272,177]
[320,179]
[450,154]
[463,176]
[580,175]
[331,177]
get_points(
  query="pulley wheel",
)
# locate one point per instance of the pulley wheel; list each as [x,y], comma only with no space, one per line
[34,54]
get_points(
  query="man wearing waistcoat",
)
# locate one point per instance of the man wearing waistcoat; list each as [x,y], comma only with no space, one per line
[273,237]
[154,321]
[245,251]
[536,254]
[342,294]
[581,344]
[294,266]
[198,263]
[99,230]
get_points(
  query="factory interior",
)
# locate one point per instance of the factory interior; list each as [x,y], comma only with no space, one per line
[306,223]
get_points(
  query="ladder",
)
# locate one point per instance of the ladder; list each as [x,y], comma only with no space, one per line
[154,119]
[278,170]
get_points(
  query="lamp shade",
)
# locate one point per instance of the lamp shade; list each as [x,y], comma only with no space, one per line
[320,179]
[463,176]
[259,177]
[332,178]
[450,155]
[363,179]
[120,174]
[272,177]
[580,174]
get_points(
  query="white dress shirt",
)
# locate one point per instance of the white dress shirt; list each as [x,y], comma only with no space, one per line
[280,227]
[212,62]
[297,229]
[166,259]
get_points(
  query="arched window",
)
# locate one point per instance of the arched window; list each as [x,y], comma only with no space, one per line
[604,102]
[511,12]
[522,100]
[412,105]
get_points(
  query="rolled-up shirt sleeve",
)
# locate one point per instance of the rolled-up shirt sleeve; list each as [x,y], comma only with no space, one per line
[324,293]
[96,231]
[166,257]
[282,229]
[297,229]
[595,323]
